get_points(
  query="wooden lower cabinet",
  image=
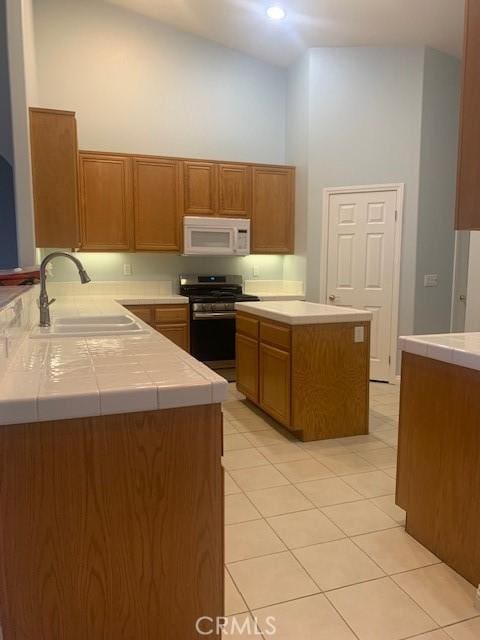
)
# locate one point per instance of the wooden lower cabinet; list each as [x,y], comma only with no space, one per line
[177,333]
[112,526]
[312,379]
[247,366]
[275,380]
[171,320]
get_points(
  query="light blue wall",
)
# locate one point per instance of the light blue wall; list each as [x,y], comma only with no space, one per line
[365,125]
[438,163]
[8,233]
[140,86]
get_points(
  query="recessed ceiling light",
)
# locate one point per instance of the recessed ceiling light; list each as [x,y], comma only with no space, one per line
[276,13]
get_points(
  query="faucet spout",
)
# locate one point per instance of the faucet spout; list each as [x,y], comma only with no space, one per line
[44,302]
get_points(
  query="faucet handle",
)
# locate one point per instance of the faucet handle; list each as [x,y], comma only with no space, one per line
[52,301]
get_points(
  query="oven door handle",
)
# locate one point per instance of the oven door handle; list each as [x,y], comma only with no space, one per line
[213,316]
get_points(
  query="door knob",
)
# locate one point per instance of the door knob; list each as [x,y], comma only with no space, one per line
[332,298]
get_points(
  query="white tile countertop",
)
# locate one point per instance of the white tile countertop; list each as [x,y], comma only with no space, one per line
[297,312]
[462,349]
[72,377]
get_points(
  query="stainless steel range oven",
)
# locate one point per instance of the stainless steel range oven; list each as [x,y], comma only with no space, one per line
[212,319]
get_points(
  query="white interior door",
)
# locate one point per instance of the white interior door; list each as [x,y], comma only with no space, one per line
[361,264]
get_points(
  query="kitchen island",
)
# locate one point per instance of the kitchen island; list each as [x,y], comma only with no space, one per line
[306,365]
[438,478]
[111,484]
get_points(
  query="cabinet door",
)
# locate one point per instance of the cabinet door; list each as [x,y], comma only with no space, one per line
[272,210]
[234,190]
[53,141]
[106,202]
[200,188]
[275,383]
[177,333]
[247,366]
[157,204]
[468,184]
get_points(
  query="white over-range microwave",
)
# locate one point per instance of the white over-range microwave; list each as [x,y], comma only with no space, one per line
[216,236]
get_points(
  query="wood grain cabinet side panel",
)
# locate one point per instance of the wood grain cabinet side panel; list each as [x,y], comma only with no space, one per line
[247,366]
[468,183]
[330,374]
[112,526]
[106,202]
[275,382]
[438,476]
[53,143]
[234,190]
[273,210]
[200,188]
[157,204]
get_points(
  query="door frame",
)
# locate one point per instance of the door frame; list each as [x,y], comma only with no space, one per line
[400,189]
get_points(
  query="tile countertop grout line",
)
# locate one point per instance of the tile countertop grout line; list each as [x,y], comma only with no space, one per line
[206,387]
[460,349]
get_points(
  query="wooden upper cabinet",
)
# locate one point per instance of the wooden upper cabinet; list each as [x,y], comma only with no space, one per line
[273,210]
[200,188]
[105,194]
[234,190]
[468,184]
[53,140]
[157,204]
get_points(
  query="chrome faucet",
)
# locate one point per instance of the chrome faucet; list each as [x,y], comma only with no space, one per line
[44,302]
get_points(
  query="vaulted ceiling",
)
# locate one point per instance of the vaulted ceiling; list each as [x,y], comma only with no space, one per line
[243,25]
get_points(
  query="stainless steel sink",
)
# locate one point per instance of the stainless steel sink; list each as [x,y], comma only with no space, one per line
[89,326]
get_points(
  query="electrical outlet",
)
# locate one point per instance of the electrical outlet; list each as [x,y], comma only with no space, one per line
[127,269]
[256,270]
[430,280]
[359,334]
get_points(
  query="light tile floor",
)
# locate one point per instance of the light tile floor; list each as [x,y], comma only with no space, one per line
[313,538]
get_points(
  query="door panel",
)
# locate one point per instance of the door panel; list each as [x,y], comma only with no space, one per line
[247,366]
[272,210]
[234,190]
[360,264]
[157,204]
[275,382]
[105,202]
[53,142]
[200,188]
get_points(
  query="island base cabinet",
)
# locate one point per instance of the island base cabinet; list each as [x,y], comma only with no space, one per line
[112,526]
[312,379]
[438,477]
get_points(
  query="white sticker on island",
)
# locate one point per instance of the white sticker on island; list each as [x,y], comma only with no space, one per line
[359,334]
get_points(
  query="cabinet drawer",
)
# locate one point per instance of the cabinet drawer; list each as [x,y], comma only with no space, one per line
[247,326]
[276,334]
[144,313]
[169,315]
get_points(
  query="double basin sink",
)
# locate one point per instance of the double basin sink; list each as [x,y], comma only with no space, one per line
[90,326]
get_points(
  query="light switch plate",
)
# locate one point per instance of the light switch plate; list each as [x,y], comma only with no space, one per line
[256,271]
[430,280]
[359,334]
